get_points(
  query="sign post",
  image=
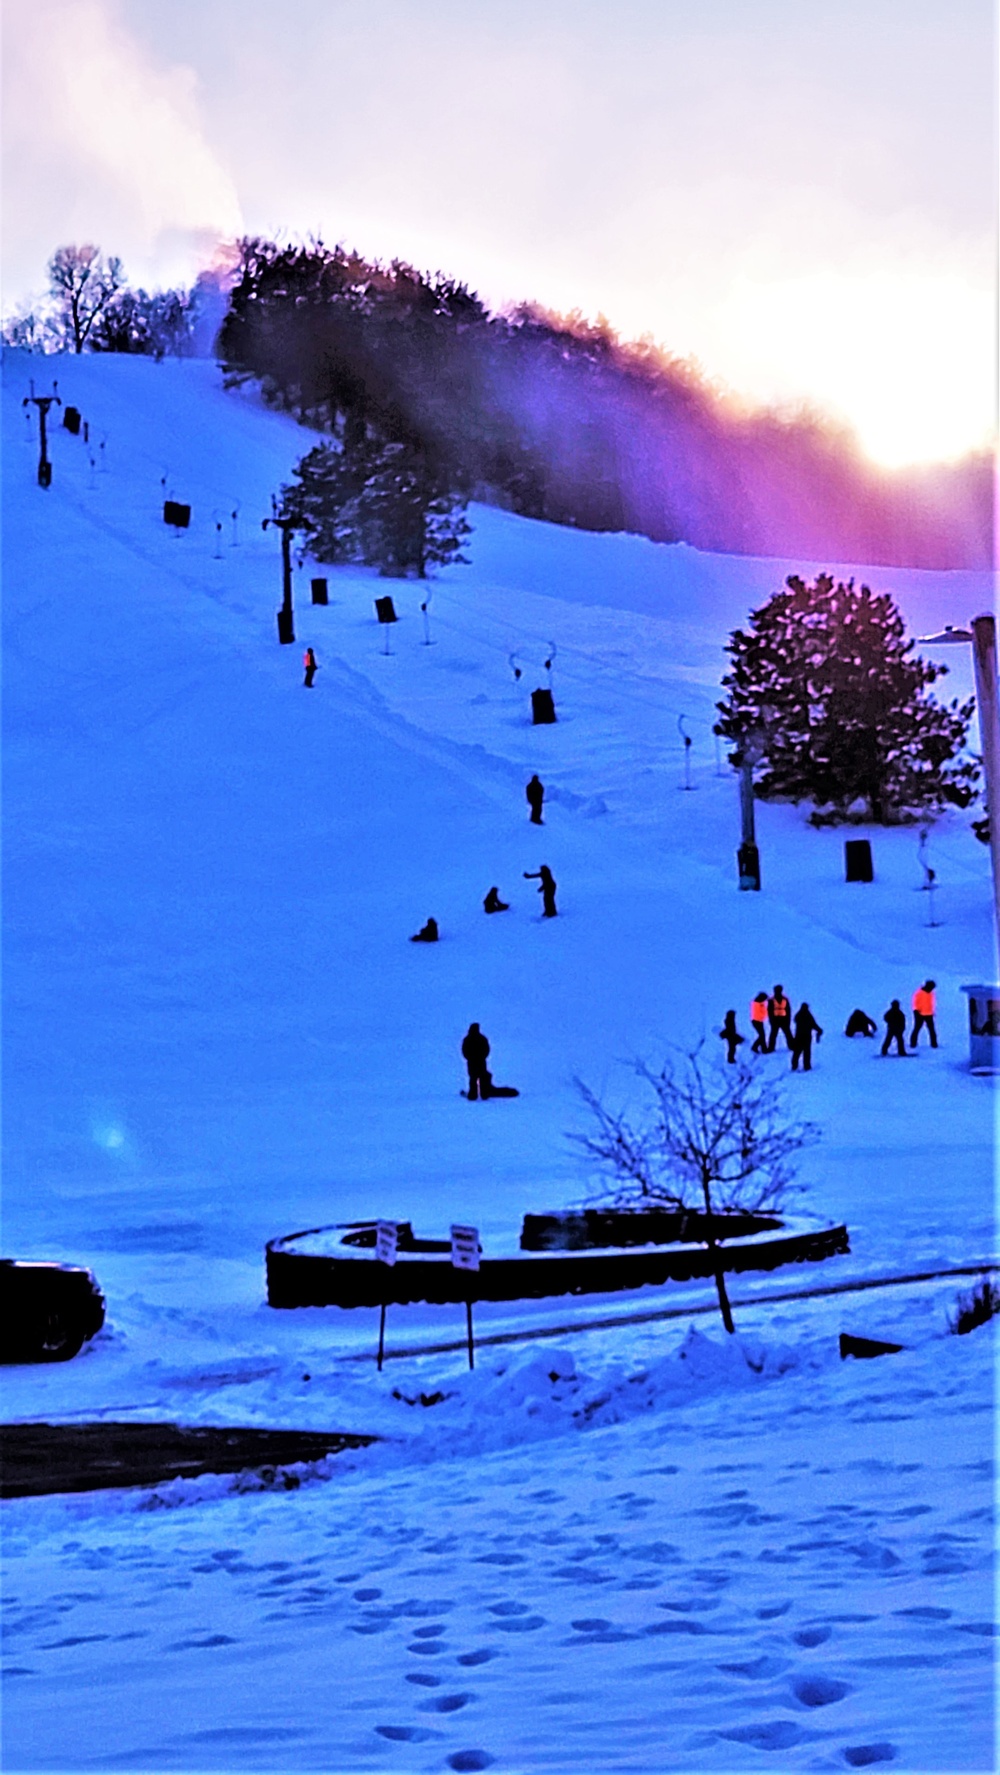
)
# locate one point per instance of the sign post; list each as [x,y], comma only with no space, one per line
[465,1256]
[385,1252]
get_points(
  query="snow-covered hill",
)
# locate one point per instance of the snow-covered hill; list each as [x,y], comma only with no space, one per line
[216,1031]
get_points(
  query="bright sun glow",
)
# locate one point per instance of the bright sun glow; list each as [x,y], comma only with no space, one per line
[901,358]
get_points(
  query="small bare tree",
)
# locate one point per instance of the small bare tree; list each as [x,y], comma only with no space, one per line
[717,1138]
[82,283]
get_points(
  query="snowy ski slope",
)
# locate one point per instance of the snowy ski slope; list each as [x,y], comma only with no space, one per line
[216,1031]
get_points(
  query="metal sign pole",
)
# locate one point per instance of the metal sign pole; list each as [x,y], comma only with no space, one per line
[386,1240]
[465,1250]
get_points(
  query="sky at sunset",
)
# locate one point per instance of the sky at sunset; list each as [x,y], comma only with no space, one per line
[797,193]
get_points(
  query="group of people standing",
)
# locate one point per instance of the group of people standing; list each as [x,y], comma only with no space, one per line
[771,1017]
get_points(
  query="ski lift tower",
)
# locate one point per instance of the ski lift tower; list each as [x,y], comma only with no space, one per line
[984,1000]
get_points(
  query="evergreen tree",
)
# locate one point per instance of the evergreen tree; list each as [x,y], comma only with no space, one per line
[381,503]
[825,682]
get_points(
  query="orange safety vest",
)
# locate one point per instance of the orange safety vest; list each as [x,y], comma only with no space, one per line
[758,1010]
[923,1003]
[781,1008]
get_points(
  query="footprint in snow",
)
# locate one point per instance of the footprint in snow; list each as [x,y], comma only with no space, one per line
[861,1756]
[424,1679]
[819,1691]
[445,1703]
[406,1734]
[812,1636]
[483,1656]
[466,1762]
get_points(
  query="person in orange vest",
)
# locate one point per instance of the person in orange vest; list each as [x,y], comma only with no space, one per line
[309,661]
[758,1023]
[923,1013]
[780,1014]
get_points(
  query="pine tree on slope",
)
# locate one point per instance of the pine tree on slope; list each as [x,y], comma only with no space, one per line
[824,677]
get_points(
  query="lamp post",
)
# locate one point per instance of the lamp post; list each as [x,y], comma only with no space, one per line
[982,633]
[751,751]
[286,621]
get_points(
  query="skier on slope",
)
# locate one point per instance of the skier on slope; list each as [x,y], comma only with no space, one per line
[309,661]
[535,793]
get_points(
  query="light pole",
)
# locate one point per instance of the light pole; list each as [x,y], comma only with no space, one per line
[982,632]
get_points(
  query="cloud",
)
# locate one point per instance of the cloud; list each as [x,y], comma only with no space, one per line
[102,144]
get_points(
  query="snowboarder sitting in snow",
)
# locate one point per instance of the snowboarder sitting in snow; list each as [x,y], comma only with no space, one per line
[535,793]
[309,661]
[758,1023]
[493,902]
[475,1052]
[429,933]
[780,1013]
[859,1023]
[547,888]
[895,1029]
[731,1036]
[806,1027]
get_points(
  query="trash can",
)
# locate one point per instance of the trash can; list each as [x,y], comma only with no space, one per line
[286,626]
[858,860]
[984,1028]
[543,709]
[319,591]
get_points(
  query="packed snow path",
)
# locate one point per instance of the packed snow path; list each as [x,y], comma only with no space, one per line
[217,1031]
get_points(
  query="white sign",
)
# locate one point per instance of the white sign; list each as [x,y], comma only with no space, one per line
[465,1247]
[385,1241]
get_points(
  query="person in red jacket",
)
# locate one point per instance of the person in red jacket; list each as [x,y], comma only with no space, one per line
[309,661]
[758,1023]
[924,1004]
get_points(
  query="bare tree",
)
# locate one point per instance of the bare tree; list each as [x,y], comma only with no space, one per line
[82,283]
[716,1137]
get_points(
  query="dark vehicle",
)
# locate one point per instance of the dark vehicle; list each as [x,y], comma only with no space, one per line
[47,1310]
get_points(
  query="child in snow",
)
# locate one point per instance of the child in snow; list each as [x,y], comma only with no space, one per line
[535,793]
[895,1029]
[758,1022]
[429,933]
[547,888]
[806,1027]
[859,1023]
[731,1036]
[493,902]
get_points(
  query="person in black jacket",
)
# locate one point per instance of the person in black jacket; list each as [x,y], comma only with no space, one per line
[731,1036]
[806,1027]
[475,1052]
[428,934]
[547,889]
[535,793]
[493,902]
[895,1029]
[859,1023]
